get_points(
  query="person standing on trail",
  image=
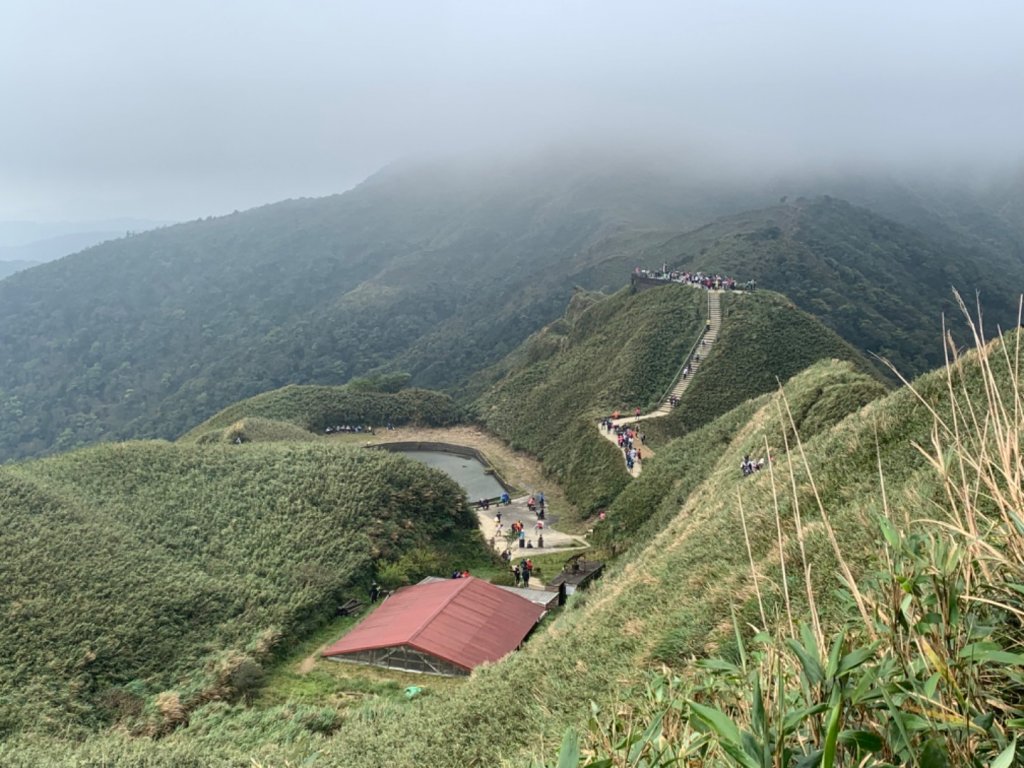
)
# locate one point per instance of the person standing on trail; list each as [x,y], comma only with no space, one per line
[637,412]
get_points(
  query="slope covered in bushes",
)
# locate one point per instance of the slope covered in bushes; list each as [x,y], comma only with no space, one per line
[676,600]
[141,580]
[672,600]
[622,352]
[618,352]
[881,285]
[818,398]
[314,408]
[764,340]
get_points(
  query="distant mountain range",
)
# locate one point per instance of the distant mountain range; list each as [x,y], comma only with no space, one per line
[10,267]
[54,247]
[24,244]
[440,270]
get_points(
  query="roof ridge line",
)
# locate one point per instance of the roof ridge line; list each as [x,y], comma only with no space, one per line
[426,622]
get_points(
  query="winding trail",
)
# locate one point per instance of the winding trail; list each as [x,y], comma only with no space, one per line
[693,360]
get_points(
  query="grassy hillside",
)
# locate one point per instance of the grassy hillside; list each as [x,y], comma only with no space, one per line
[253,430]
[880,285]
[818,398]
[313,408]
[672,600]
[622,352]
[617,352]
[764,340]
[667,603]
[139,581]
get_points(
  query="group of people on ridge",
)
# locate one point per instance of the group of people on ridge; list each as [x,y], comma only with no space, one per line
[348,428]
[698,279]
[628,438]
[749,466]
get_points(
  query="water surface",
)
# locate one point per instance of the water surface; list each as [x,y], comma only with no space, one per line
[467,472]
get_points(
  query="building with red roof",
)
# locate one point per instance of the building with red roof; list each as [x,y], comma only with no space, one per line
[444,627]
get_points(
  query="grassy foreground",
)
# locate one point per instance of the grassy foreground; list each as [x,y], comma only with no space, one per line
[925,668]
[140,582]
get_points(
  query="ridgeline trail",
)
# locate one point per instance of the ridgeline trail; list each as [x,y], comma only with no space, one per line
[687,370]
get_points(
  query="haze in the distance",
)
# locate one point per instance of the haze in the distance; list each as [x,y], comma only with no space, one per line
[171,111]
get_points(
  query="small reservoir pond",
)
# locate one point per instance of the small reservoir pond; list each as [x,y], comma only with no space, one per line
[467,472]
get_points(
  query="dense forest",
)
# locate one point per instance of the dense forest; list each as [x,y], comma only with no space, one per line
[882,286]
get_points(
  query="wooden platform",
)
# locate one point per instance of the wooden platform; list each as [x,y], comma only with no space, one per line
[577,573]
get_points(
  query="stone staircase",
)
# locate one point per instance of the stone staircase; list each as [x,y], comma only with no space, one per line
[699,354]
[694,361]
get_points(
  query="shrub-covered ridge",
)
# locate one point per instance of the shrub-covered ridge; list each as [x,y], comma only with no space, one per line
[315,408]
[618,352]
[133,569]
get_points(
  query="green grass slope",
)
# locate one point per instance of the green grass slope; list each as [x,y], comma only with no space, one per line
[140,580]
[617,352]
[254,430]
[764,340]
[312,408]
[819,397]
[672,599]
[667,603]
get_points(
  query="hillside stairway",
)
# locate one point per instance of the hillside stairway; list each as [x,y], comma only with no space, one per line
[691,363]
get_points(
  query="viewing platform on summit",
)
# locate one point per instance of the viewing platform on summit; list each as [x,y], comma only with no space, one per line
[642,279]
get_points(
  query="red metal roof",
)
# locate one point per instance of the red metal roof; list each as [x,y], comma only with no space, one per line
[463,621]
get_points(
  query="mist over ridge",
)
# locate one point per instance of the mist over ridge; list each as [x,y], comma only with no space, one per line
[177,113]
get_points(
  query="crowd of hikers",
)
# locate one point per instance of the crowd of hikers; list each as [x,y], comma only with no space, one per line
[749,466]
[522,571]
[350,429]
[629,439]
[698,279]
[517,532]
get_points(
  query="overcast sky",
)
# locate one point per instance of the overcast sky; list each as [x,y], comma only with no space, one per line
[176,110]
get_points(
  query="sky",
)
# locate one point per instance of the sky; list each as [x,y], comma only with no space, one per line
[180,110]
